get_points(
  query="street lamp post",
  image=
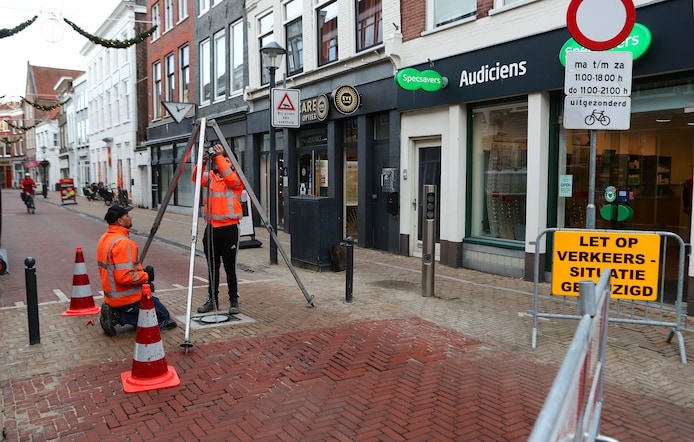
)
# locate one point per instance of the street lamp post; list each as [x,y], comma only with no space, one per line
[44,165]
[271,58]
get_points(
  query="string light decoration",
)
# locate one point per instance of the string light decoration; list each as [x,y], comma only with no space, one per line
[118,44]
[22,128]
[9,32]
[42,107]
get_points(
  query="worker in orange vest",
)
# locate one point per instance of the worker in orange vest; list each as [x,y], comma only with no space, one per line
[223,212]
[122,275]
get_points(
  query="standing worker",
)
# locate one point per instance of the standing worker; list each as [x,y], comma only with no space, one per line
[122,276]
[223,212]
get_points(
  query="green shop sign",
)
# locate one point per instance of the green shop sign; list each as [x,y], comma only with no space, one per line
[412,80]
[637,43]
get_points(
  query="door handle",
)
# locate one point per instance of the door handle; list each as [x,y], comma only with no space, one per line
[414,203]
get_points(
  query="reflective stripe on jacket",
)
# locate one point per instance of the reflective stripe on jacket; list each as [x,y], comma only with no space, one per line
[121,276]
[223,202]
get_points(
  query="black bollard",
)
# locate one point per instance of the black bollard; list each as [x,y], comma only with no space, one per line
[349,270]
[32,301]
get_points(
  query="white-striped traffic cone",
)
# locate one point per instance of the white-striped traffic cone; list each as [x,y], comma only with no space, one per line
[149,370]
[82,301]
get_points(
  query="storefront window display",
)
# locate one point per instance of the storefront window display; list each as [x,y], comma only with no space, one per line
[651,164]
[500,135]
[313,163]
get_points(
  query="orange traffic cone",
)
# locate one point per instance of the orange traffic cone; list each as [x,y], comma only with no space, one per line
[149,371]
[82,301]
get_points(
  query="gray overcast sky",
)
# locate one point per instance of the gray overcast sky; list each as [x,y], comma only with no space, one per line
[31,45]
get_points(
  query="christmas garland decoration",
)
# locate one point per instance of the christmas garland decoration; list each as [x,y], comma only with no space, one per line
[22,128]
[10,142]
[119,44]
[9,32]
[42,107]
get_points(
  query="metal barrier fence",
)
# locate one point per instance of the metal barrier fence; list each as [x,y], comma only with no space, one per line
[633,311]
[573,406]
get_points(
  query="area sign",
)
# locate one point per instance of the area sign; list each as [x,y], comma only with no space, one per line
[633,260]
[638,42]
[412,80]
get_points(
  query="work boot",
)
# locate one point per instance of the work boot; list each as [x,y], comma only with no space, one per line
[108,320]
[209,305]
[167,324]
[234,308]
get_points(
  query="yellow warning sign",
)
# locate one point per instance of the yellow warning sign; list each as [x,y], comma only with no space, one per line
[633,259]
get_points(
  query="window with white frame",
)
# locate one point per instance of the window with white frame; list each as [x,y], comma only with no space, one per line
[205,72]
[117,111]
[170,77]
[184,61]
[204,6]
[220,65]
[369,23]
[126,92]
[182,9]
[449,11]
[236,55]
[156,90]
[156,21]
[168,14]
[294,41]
[502,3]
[327,33]
[265,36]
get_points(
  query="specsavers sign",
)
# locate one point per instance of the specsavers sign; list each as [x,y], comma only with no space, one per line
[633,259]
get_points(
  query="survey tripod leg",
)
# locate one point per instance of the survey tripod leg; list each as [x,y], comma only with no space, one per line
[261,212]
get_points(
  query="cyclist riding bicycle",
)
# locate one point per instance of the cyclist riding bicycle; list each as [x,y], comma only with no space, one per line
[28,184]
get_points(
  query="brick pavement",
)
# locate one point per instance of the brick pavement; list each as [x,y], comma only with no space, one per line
[392,366]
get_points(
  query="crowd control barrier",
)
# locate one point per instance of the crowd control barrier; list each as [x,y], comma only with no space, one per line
[572,409]
[637,262]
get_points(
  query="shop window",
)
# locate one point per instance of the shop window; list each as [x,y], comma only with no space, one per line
[369,23]
[500,135]
[327,33]
[351,131]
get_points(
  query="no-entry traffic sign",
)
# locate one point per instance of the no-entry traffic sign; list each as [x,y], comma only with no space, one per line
[600,24]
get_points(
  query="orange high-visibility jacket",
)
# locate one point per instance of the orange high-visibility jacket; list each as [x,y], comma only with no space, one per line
[223,205]
[121,276]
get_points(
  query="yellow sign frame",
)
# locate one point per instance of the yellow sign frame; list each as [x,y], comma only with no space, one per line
[633,259]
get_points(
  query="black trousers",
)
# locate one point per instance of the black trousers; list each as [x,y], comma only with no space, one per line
[221,244]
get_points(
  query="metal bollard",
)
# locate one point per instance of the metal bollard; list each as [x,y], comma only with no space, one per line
[32,301]
[349,269]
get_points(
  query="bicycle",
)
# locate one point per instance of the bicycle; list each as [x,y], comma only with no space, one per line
[29,202]
[597,116]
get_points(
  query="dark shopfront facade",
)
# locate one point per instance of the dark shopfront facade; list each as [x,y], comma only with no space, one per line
[337,154]
[506,134]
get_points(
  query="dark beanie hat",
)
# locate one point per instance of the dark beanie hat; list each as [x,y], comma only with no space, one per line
[115,212]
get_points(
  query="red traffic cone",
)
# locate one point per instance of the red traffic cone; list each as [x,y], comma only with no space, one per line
[82,301]
[149,371]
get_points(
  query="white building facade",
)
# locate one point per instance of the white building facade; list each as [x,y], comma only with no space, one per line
[112,102]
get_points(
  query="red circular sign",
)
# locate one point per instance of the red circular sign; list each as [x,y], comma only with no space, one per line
[580,27]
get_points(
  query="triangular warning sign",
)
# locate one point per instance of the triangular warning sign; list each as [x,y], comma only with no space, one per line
[286,103]
[177,110]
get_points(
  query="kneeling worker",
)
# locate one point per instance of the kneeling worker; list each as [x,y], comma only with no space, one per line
[122,276]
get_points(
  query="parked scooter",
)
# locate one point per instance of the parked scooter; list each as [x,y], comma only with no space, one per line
[107,195]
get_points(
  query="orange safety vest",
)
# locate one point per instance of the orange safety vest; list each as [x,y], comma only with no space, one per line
[223,206]
[121,275]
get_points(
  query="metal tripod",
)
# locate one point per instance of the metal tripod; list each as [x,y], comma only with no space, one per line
[200,135]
